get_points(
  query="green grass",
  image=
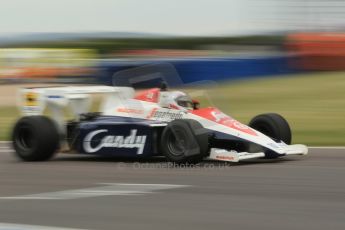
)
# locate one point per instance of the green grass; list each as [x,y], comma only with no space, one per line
[314,104]
[8,115]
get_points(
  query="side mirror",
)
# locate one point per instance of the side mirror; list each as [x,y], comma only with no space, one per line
[196,104]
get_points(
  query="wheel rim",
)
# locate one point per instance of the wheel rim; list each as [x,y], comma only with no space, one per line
[176,143]
[25,138]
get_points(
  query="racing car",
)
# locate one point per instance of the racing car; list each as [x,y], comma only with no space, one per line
[147,123]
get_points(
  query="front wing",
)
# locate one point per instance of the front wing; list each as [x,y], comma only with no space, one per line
[234,156]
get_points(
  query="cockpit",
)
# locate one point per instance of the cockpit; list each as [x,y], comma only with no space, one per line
[185,102]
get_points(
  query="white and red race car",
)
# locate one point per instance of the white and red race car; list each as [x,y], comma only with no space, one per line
[154,122]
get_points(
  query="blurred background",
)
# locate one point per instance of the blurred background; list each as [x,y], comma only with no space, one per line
[252,57]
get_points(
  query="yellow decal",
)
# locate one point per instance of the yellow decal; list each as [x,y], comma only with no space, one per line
[31,99]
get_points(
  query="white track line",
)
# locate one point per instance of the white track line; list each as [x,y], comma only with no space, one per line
[327,147]
[6,150]
[8,226]
[106,189]
[5,142]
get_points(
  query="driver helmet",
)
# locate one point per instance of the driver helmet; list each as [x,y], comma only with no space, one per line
[177,100]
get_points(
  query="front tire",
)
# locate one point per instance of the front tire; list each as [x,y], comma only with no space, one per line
[184,141]
[35,138]
[272,125]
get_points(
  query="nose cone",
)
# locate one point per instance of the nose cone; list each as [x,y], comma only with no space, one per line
[215,115]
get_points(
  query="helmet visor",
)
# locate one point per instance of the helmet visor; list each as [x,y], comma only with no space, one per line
[185,101]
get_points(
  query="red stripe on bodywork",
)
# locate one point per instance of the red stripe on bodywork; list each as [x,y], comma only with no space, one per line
[150,95]
[219,117]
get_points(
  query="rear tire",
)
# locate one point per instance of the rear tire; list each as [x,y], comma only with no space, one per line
[272,125]
[35,138]
[184,141]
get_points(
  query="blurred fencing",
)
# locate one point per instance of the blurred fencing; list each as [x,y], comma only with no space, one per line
[294,53]
[317,51]
[206,69]
[43,64]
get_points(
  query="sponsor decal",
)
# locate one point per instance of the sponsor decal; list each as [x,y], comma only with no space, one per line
[128,110]
[165,115]
[54,96]
[224,119]
[110,141]
[150,95]
[31,109]
[229,158]
[217,116]
[31,99]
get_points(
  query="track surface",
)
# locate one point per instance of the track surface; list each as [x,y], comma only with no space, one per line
[292,193]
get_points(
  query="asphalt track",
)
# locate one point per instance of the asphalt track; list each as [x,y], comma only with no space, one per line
[85,192]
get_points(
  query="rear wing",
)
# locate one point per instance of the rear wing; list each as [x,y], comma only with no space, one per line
[77,99]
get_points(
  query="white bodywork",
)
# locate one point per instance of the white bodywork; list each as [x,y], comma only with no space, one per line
[77,100]
[121,101]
